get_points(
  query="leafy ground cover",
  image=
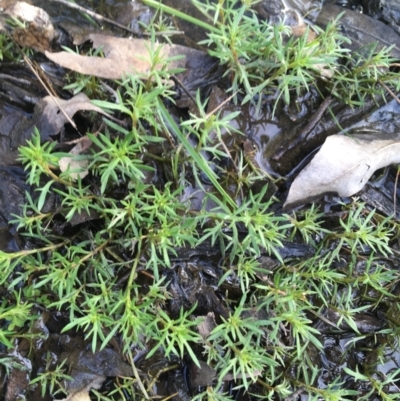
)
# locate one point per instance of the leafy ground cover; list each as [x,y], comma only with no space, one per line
[118,250]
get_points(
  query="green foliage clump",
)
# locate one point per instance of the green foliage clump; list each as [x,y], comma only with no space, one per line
[109,276]
[269,59]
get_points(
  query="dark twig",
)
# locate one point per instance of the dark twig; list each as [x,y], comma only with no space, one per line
[183,87]
[94,15]
[316,116]
[391,93]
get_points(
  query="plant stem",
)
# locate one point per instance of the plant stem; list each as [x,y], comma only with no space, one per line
[179,14]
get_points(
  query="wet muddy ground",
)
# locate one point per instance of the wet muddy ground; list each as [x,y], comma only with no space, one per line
[277,143]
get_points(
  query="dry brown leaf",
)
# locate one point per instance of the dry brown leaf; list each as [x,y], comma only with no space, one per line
[89,370]
[57,118]
[82,393]
[49,118]
[122,56]
[343,165]
[207,325]
[77,168]
[81,396]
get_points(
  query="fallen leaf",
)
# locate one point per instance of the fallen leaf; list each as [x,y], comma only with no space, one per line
[343,165]
[18,370]
[89,370]
[55,111]
[207,325]
[202,375]
[122,56]
[86,382]
[77,167]
[47,117]
[131,56]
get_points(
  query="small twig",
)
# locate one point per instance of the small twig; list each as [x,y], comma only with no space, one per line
[209,114]
[295,395]
[136,374]
[45,78]
[110,90]
[169,397]
[49,92]
[94,15]
[324,319]
[316,116]
[183,87]
[391,93]
[30,65]
[163,370]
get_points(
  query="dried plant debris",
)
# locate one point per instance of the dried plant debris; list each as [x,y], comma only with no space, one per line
[123,56]
[18,374]
[89,370]
[193,69]
[50,115]
[87,381]
[207,325]
[345,163]
[343,166]
[76,167]
[35,29]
